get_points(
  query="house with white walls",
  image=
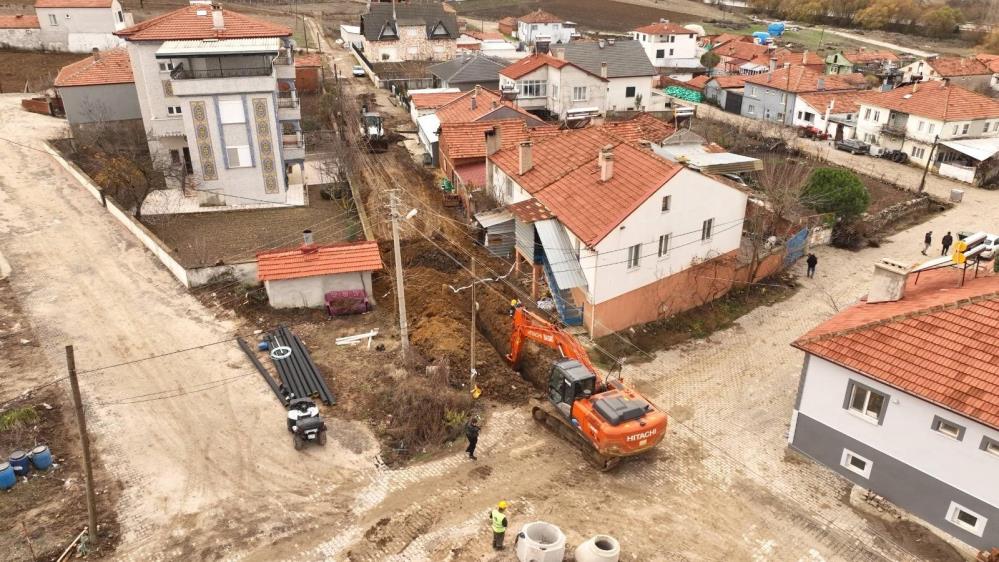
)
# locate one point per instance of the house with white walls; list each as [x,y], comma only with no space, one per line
[772,96]
[541,27]
[912,118]
[969,72]
[76,26]
[670,47]
[899,394]
[629,74]
[543,83]
[832,113]
[217,94]
[614,228]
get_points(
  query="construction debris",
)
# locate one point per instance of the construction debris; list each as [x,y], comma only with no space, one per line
[299,373]
[356,339]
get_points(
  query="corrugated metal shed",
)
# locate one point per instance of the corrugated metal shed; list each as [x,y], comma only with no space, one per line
[524,232]
[494,217]
[564,264]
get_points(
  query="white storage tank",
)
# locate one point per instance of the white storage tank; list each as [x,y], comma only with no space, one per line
[540,542]
[601,548]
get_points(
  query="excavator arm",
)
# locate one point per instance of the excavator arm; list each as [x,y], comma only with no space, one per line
[530,326]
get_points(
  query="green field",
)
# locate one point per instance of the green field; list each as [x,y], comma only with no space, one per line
[808,38]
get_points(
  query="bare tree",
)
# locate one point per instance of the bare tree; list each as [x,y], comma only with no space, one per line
[778,193]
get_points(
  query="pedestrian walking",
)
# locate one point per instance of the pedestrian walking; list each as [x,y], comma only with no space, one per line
[947,240]
[472,433]
[812,261]
[497,519]
[927,240]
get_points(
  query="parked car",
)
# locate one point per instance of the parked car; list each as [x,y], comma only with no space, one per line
[853,146]
[991,244]
[358,70]
[895,156]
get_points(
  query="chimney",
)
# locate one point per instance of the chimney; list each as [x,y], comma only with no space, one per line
[495,104]
[525,157]
[308,243]
[96,53]
[821,84]
[603,70]
[804,57]
[218,23]
[493,141]
[888,284]
[610,41]
[601,43]
[606,161]
[787,65]
[474,104]
[773,64]
[663,20]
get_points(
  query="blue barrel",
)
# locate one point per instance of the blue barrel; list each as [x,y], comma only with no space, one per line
[41,457]
[7,476]
[20,463]
[263,346]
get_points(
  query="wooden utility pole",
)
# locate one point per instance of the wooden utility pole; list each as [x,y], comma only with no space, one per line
[922,181]
[471,340]
[400,288]
[81,422]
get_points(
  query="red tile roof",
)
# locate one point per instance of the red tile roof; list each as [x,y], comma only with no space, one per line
[664,28]
[529,210]
[509,20]
[484,35]
[866,57]
[725,82]
[309,60]
[991,61]
[949,67]
[468,140]
[19,22]
[565,178]
[786,56]
[740,50]
[112,67]
[940,342]
[473,174]
[531,63]
[540,16]
[434,100]
[697,82]
[936,100]
[186,23]
[800,79]
[721,39]
[275,265]
[642,127]
[72,3]
[845,102]
[460,110]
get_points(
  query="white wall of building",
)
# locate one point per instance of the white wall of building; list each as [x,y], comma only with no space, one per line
[617,93]
[906,432]
[671,50]
[554,32]
[802,109]
[559,95]
[80,30]
[311,291]
[29,39]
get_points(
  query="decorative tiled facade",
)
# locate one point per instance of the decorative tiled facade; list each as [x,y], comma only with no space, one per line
[262,124]
[204,139]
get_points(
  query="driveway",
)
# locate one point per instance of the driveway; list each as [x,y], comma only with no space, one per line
[194,437]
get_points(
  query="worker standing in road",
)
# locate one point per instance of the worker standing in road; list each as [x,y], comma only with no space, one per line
[497,518]
[472,433]
[947,240]
[812,261]
[927,240]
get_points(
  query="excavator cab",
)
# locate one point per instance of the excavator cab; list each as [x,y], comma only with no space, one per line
[569,381]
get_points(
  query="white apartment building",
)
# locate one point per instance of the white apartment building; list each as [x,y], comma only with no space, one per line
[629,75]
[542,27]
[669,45]
[217,95]
[76,26]
[542,82]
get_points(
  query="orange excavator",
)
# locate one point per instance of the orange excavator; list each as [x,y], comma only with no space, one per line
[608,419]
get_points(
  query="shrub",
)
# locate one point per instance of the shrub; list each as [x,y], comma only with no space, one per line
[18,417]
[837,191]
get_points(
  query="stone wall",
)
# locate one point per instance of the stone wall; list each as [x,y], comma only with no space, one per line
[888,216]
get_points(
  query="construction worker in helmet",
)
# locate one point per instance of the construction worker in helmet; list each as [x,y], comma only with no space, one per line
[497,519]
[514,304]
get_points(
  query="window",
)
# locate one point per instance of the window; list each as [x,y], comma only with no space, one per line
[856,463]
[867,113]
[985,128]
[166,66]
[950,429]
[706,228]
[918,152]
[121,18]
[175,157]
[629,92]
[954,131]
[870,139]
[238,156]
[751,109]
[966,519]
[671,52]
[53,20]
[964,129]
[752,91]
[174,110]
[533,88]
[783,98]
[921,125]
[664,245]
[866,402]
[579,93]
[634,254]
[877,115]
[990,445]
[667,202]
[231,112]
[554,91]
[660,53]
[933,127]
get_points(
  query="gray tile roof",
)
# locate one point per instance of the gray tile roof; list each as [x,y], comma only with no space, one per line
[475,69]
[623,58]
[380,14]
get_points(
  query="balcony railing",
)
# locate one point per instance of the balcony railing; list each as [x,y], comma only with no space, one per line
[284,59]
[294,140]
[896,129]
[181,73]
[288,100]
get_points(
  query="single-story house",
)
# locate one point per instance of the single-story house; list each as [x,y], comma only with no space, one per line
[100,90]
[968,72]
[309,73]
[467,71]
[726,91]
[301,277]
[833,113]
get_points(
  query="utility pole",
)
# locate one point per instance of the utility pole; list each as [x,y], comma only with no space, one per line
[471,340]
[922,182]
[88,471]
[400,289]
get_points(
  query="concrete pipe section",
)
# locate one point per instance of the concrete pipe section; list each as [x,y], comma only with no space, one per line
[601,548]
[540,542]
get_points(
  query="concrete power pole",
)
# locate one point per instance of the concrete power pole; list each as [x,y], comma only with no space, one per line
[88,471]
[400,287]
[471,342]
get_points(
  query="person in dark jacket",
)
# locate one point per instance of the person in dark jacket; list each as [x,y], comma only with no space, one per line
[927,240]
[947,240]
[472,433]
[812,261]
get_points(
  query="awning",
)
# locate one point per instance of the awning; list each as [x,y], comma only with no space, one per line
[754,68]
[494,217]
[979,149]
[216,47]
[563,261]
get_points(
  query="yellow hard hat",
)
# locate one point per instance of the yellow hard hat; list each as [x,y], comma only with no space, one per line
[502,505]
[513,302]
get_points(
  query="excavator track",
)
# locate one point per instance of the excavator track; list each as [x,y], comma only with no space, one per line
[545,415]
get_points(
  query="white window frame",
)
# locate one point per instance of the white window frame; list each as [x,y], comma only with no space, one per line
[707,229]
[576,93]
[867,114]
[751,109]
[666,204]
[53,20]
[853,387]
[232,112]
[920,126]
[933,127]
[990,445]
[978,529]
[752,91]
[241,152]
[664,244]
[634,256]
[954,131]
[985,127]
[121,17]
[877,115]
[965,128]
[175,110]
[938,426]
[634,91]
[166,66]
[849,455]
[524,86]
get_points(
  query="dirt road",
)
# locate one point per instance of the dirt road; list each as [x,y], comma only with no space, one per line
[194,437]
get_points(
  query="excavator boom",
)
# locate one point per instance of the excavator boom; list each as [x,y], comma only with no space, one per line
[530,326]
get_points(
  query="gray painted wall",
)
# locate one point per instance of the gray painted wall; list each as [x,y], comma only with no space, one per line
[905,486]
[764,100]
[111,102]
